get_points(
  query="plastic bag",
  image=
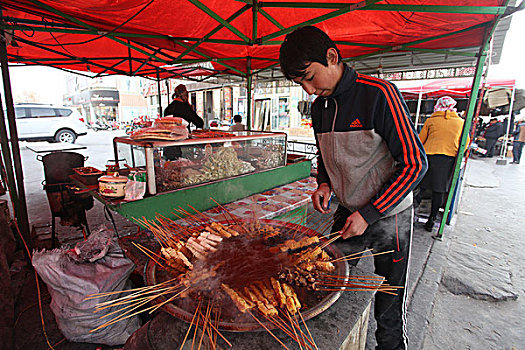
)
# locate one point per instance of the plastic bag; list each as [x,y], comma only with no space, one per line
[69,283]
[136,186]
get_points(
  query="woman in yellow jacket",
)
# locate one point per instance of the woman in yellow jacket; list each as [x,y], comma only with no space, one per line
[440,136]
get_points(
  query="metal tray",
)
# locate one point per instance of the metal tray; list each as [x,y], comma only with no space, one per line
[248,324]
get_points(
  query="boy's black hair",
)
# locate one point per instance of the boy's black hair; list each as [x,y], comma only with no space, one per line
[237,118]
[302,47]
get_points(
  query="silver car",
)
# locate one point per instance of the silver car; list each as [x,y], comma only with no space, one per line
[38,122]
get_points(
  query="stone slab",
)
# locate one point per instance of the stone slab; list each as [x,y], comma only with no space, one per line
[479,176]
[478,273]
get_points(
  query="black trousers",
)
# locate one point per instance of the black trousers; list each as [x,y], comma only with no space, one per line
[391,233]
[490,144]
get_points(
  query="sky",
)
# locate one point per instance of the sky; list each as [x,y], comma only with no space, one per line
[49,84]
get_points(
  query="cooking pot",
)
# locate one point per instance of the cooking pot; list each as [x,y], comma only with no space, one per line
[112,186]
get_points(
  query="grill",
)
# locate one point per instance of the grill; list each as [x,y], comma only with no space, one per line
[317,301]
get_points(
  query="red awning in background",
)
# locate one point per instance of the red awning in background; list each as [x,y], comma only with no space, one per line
[453,87]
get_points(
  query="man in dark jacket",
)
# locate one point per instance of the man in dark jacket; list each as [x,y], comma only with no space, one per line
[180,107]
[369,155]
[493,132]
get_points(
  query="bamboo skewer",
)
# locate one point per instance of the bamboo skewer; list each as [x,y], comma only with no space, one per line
[346,258]
[191,324]
[298,326]
[155,308]
[308,330]
[293,329]
[204,325]
[234,218]
[219,333]
[149,252]
[266,328]
[330,241]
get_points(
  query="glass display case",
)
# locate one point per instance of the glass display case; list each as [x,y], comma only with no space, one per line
[171,165]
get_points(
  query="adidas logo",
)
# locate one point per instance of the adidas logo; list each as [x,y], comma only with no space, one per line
[356,124]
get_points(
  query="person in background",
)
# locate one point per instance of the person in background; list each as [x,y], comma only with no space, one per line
[369,156]
[440,135]
[180,107]
[519,141]
[493,132]
[238,126]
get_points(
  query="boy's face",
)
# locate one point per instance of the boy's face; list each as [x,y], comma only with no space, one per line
[319,79]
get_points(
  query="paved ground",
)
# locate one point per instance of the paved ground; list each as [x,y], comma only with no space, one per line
[462,290]
[480,303]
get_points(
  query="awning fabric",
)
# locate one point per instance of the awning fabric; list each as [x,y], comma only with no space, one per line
[453,87]
[235,36]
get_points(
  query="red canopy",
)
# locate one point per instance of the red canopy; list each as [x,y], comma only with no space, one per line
[453,87]
[143,37]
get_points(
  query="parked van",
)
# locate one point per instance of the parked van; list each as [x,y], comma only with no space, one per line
[39,122]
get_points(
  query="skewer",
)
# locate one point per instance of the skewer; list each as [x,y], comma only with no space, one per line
[155,308]
[141,291]
[191,324]
[308,330]
[266,328]
[354,277]
[145,224]
[173,226]
[211,337]
[224,210]
[303,335]
[204,325]
[133,300]
[208,218]
[281,327]
[99,295]
[234,218]
[218,332]
[330,241]
[293,329]
[194,217]
[148,255]
[347,258]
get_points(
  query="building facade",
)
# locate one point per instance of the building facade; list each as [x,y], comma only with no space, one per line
[110,98]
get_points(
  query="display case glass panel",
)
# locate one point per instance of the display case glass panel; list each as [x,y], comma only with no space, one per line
[178,164]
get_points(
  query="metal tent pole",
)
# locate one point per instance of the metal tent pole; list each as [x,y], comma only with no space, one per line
[249,94]
[8,161]
[160,95]
[502,160]
[23,221]
[466,127]
[418,107]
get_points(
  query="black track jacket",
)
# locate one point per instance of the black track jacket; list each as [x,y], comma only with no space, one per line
[369,152]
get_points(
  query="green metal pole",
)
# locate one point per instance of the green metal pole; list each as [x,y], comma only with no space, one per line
[255,8]
[160,95]
[468,122]
[22,218]
[215,30]
[249,94]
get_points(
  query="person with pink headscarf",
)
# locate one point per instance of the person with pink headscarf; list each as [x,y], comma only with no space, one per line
[440,136]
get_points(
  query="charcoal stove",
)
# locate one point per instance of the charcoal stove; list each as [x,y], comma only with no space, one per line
[64,203]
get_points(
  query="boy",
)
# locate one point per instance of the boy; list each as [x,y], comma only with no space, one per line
[369,156]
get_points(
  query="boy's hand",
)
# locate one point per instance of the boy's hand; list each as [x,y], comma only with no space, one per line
[321,197]
[355,226]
